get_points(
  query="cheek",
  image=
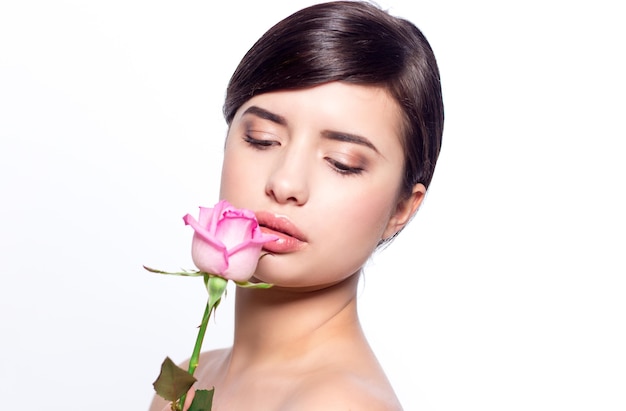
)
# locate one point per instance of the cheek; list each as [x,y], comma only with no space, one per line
[362,217]
[235,180]
[229,174]
[350,234]
[374,212]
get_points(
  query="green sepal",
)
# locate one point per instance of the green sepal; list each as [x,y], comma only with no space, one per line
[216,286]
[173,382]
[248,284]
[184,273]
[202,401]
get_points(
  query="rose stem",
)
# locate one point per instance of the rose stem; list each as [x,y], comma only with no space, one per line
[216,289]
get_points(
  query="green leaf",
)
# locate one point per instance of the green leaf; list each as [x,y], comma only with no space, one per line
[184,273]
[202,401]
[173,381]
[248,284]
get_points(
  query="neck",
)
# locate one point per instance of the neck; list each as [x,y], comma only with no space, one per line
[279,323]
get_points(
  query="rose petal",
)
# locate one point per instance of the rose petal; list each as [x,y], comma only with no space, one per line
[232,230]
[209,217]
[207,257]
[205,215]
[207,252]
[227,241]
[203,232]
[243,262]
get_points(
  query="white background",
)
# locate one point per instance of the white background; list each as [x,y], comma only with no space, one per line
[505,293]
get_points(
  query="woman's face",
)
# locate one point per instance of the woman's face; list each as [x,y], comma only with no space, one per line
[322,168]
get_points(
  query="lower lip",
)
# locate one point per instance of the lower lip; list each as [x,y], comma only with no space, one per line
[284,244]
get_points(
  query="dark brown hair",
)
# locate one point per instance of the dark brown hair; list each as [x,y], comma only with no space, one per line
[353,42]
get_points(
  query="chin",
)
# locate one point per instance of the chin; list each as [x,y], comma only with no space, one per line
[298,281]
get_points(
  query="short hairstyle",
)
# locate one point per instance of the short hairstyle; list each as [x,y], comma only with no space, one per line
[353,42]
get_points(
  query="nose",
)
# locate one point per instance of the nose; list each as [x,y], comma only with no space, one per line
[289,180]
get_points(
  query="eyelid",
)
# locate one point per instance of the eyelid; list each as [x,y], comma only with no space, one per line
[260,134]
[343,167]
[260,142]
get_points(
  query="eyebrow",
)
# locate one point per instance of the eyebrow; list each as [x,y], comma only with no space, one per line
[327,134]
[349,138]
[266,115]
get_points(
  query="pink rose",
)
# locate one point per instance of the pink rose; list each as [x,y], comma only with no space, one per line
[227,241]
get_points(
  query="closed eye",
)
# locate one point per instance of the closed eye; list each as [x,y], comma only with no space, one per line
[342,168]
[258,143]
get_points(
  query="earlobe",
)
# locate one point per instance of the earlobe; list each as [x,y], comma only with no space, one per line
[405,209]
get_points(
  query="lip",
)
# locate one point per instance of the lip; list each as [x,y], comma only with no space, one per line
[290,238]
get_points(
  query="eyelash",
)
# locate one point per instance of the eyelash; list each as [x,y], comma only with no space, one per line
[343,169]
[259,144]
[337,166]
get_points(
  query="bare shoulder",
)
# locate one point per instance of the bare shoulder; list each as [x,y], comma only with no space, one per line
[343,392]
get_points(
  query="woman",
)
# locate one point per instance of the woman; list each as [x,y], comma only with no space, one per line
[335,122]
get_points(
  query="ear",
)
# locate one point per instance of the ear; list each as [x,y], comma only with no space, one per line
[405,209]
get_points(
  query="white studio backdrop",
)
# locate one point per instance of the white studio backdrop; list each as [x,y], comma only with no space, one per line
[505,293]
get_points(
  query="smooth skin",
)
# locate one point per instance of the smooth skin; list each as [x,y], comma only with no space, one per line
[330,159]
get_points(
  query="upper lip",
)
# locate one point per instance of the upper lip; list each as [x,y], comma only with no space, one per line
[280,223]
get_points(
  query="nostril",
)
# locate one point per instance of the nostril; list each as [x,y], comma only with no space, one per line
[288,182]
[284,193]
